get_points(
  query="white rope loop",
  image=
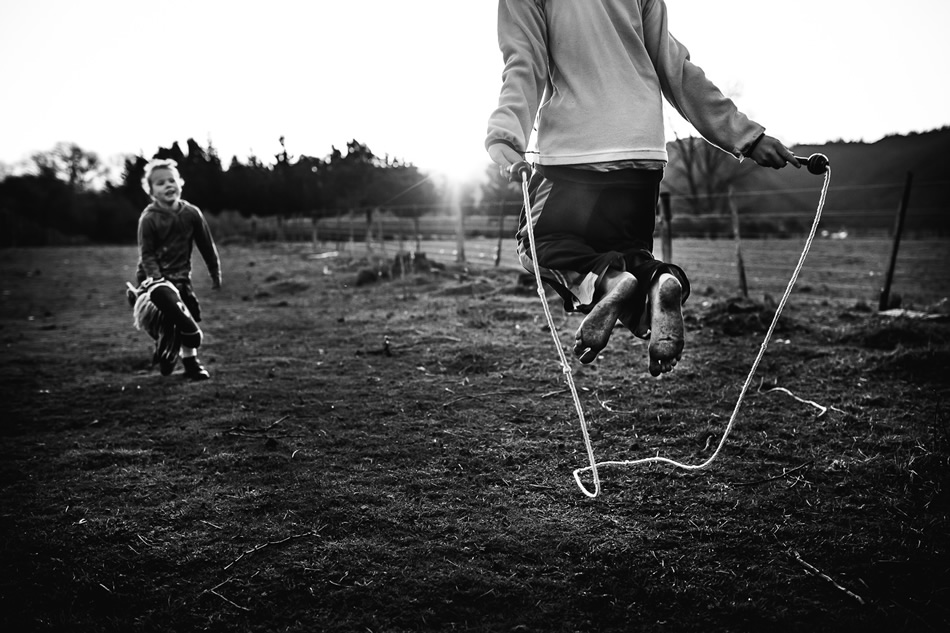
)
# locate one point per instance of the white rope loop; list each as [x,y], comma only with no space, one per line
[594,464]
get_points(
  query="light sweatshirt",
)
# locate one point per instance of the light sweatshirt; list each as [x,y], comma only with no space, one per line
[165,238]
[592,74]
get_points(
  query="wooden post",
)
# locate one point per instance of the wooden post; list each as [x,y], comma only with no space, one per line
[666,226]
[369,230]
[460,229]
[740,265]
[501,231]
[415,227]
[381,230]
[402,234]
[314,229]
[885,302]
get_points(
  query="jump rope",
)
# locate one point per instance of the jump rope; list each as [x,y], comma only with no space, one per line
[816,164]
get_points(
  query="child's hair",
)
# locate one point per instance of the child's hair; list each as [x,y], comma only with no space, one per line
[159,163]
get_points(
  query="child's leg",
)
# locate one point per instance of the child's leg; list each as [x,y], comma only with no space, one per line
[583,223]
[666,321]
[589,282]
[166,349]
[566,259]
[194,370]
[193,367]
[191,340]
[618,291]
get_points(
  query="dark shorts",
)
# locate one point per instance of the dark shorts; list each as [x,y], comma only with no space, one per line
[587,222]
[189,298]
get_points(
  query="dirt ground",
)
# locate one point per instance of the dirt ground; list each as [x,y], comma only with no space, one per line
[396,454]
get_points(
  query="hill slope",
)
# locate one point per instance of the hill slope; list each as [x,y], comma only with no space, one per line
[866,185]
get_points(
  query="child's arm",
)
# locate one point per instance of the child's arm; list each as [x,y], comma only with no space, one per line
[208,250]
[767,151]
[148,248]
[686,87]
[523,42]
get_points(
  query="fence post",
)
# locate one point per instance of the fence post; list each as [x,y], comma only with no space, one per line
[460,230]
[885,302]
[415,225]
[380,226]
[501,231]
[314,228]
[743,285]
[401,227]
[369,230]
[666,228]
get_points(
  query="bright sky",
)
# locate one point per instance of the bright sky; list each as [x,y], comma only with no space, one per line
[417,79]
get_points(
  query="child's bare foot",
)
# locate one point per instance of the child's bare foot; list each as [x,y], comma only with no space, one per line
[666,315]
[592,336]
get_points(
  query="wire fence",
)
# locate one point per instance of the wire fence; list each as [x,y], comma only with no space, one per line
[851,269]
[848,261]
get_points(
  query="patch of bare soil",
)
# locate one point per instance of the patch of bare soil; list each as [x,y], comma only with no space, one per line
[394,453]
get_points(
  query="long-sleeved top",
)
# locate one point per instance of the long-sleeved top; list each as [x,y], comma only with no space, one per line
[165,239]
[592,75]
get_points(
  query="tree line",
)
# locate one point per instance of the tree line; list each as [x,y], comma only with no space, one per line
[64,196]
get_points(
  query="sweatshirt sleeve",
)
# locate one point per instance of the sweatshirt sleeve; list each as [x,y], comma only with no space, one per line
[205,244]
[687,89]
[148,248]
[522,40]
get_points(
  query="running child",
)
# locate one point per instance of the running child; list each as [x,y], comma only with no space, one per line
[168,229]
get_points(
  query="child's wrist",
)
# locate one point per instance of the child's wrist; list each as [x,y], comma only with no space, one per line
[754,144]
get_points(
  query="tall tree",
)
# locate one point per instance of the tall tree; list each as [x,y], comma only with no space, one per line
[72,164]
[33,207]
[174,152]
[201,170]
[350,176]
[701,174]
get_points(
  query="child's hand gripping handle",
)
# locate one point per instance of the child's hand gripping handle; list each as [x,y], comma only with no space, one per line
[816,163]
[520,171]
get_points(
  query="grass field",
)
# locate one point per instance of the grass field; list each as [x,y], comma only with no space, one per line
[397,456]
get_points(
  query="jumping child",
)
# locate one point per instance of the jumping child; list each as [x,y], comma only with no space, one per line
[168,229]
[590,77]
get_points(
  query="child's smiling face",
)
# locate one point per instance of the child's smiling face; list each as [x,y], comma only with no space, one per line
[165,186]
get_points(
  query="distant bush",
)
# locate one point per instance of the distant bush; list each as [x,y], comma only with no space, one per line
[105,218]
[19,230]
